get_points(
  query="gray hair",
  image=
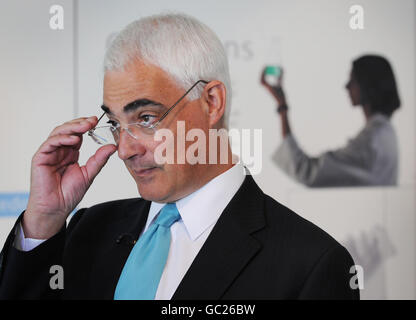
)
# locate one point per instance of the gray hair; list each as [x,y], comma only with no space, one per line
[183,47]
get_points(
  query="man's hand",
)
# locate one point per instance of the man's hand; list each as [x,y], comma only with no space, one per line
[58,182]
[277,90]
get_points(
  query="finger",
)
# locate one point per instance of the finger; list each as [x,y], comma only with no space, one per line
[70,159]
[96,162]
[83,118]
[62,140]
[77,126]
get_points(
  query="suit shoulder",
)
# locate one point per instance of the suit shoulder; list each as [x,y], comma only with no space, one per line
[302,234]
[300,246]
[107,211]
[118,204]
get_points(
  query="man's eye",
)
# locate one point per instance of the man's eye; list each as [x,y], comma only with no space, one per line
[147,119]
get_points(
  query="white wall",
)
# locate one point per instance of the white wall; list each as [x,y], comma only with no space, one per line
[316,50]
[36,92]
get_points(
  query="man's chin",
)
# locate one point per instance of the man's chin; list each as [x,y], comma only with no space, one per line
[152,193]
[151,187]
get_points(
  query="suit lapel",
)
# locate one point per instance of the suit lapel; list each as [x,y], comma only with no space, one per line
[229,247]
[108,267]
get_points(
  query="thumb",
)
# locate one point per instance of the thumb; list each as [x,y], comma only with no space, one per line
[96,162]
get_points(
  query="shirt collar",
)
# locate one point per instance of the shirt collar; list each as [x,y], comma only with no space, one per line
[202,208]
[378,117]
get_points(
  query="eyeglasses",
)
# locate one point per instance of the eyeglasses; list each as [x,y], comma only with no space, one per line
[111,134]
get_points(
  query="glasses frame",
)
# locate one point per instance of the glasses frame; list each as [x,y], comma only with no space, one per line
[153,126]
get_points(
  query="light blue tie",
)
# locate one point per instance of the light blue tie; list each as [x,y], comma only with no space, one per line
[141,273]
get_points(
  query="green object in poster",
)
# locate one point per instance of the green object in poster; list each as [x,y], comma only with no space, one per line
[273,71]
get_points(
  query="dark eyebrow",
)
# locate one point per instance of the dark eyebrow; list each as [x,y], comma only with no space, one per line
[132,106]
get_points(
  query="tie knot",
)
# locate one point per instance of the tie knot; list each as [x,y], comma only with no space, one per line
[168,215]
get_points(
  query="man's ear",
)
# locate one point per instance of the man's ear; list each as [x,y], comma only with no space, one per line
[214,96]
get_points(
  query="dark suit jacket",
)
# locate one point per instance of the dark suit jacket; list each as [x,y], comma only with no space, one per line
[258,249]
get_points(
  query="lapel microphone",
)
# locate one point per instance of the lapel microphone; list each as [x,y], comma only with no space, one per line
[126,239]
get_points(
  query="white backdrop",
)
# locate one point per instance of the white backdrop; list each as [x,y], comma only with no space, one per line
[50,76]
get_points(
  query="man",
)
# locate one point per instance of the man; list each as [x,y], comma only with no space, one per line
[200,231]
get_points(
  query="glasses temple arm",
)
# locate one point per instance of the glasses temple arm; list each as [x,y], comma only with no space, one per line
[175,104]
[101,117]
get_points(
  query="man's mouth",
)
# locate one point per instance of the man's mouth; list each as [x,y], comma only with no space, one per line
[145,172]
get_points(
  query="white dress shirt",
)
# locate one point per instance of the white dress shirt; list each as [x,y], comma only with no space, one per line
[199,212]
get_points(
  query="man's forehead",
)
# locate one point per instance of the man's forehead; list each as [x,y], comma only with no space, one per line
[138,84]
[130,79]
[129,82]
[137,76]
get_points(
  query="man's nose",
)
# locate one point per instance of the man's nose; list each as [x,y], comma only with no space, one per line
[129,146]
